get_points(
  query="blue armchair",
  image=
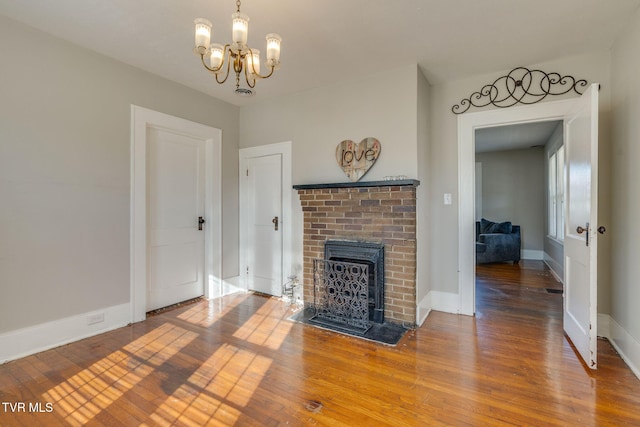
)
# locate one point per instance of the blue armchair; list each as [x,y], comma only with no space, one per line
[497,242]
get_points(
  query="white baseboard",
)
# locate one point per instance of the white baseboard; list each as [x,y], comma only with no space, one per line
[604,328]
[555,275]
[627,347]
[232,285]
[555,268]
[424,308]
[34,339]
[531,254]
[445,301]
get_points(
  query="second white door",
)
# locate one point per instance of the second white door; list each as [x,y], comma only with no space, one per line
[264,221]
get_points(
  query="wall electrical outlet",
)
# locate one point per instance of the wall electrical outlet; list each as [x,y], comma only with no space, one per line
[95,318]
[447,198]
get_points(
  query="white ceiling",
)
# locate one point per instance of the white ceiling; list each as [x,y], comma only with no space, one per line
[331,40]
[514,137]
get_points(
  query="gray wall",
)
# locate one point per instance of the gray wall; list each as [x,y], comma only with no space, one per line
[513,190]
[64,174]
[623,230]
[317,120]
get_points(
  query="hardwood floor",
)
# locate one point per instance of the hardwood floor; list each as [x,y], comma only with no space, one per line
[238,361]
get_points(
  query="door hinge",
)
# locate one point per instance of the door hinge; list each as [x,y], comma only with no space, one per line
[247,172]
[247,269]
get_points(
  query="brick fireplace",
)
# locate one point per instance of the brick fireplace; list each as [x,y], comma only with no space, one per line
[378,212]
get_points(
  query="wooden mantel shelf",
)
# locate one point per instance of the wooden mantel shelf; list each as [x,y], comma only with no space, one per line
[390,183]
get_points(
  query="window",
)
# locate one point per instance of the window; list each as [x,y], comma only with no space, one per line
[556,194]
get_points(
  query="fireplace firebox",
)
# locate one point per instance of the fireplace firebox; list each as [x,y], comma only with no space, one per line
[350,284]
[368,253]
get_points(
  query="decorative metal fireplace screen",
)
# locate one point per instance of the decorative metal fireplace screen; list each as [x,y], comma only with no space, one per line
[349,285]
[363,252]
[341,295]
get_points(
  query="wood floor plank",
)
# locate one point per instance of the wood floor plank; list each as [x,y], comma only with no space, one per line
[239,361]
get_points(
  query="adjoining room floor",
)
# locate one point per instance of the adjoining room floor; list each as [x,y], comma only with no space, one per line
[238,361]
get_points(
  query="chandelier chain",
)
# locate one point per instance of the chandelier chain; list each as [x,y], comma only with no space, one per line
[238,5]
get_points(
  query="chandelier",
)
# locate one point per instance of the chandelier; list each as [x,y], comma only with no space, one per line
[218,58]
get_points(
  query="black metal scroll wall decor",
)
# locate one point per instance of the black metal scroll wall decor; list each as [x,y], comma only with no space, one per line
[520,86]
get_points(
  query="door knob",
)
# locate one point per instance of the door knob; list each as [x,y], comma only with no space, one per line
[200,222]
[581,230]
[275,223]
[601,229]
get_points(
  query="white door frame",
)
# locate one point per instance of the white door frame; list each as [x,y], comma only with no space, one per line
[141,120]
[284,149]
[467,125]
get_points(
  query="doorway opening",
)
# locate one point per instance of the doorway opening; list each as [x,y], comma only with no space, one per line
[519,199]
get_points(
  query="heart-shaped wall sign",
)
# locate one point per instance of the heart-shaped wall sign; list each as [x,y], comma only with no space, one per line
[356,159]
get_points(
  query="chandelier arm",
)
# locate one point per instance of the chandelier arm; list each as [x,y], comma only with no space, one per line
[215,71]
[248,80]
[266,76]
[254,76]
[224,53]
[259,76]
[226,76]
[246,73]
[253,70]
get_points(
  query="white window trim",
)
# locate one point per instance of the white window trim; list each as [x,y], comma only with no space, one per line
[555,198]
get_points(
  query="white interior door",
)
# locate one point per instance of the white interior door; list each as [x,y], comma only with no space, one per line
[176,183]
[581,219]
[264,220]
